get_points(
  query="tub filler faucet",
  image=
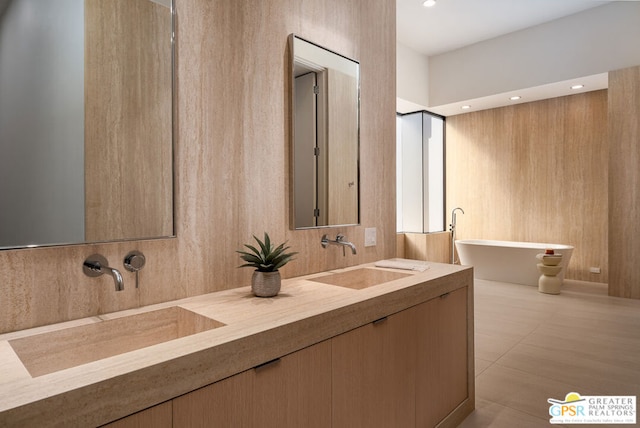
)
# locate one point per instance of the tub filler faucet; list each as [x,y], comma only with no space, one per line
[452,228]
[340,240]
[96,265]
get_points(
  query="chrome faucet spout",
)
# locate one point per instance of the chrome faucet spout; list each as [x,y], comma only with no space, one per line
[117,277]
[453,217]
[340,240]
[97,265]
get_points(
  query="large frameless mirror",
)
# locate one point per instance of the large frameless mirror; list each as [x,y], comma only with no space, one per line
[86,102]
[325,137]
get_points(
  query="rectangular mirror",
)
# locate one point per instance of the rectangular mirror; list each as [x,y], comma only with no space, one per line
[325,137]
[86,120]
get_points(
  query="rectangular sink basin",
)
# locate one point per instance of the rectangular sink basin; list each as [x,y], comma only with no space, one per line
[57,350]
[359,279]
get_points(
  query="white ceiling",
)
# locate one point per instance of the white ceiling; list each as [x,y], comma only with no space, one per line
[452,24]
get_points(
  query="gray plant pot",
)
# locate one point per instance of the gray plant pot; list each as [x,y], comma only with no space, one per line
[265,284]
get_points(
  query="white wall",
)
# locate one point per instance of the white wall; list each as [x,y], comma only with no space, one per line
[591,42]
[410,191]
[420,173]
[412,78]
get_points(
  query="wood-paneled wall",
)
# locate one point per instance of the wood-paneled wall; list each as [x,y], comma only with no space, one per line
[624,183]
[233,163]
[534,172]
[433,247]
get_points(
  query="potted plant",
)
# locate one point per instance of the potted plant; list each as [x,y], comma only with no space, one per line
[266,259]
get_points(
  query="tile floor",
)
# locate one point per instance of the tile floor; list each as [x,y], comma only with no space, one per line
[531,346]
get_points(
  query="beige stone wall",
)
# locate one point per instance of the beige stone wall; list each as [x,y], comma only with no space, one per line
[535,172]
[233,121]
[624,183]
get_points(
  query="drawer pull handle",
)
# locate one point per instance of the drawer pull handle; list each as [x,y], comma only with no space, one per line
[445,295]
[268,363]
[379,321]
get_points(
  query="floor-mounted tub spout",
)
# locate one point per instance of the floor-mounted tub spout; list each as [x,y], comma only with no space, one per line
[452,228]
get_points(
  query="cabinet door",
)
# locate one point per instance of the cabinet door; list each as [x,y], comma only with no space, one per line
[223,404]
[373,374]
[442,356]
[157,416]
[295,390]
[292,391]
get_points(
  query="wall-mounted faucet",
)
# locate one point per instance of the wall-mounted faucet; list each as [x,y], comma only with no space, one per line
[452,228]
[96,265]
[340,240]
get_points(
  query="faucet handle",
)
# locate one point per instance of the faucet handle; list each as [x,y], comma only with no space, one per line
[339,239]
[134,262]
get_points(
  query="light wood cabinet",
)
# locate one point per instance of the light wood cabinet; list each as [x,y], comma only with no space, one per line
[441,372]
[411,368]
[157,416]
[222,404]
[292,391]
[372,374]
[295,390]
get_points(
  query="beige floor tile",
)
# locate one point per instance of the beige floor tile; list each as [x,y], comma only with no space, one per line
[491,348]
[582,342]
[616,325]
[504,326]
[531,346]
[588,375]
[488,414]
[482,365]
[525,392]
[536,308]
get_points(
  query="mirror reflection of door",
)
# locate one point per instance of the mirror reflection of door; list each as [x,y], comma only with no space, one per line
[325,137]
[311,154]
[306,150]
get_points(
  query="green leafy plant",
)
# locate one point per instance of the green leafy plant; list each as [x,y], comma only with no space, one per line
[266,257]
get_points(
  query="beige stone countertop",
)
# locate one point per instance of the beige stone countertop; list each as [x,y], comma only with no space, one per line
[256,330]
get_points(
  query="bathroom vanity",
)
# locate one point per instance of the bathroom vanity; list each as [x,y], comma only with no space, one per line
[362,346]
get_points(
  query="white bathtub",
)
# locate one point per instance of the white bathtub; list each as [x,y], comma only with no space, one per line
[508,261]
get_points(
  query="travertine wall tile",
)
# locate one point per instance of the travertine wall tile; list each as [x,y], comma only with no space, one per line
[624,182]
[232,162]
[534,172]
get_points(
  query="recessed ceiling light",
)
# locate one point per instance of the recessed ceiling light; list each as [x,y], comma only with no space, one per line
[515,98]
[429,3]
[577,87]
[466,107]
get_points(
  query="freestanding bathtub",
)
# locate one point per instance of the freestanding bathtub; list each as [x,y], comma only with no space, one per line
[508,261]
